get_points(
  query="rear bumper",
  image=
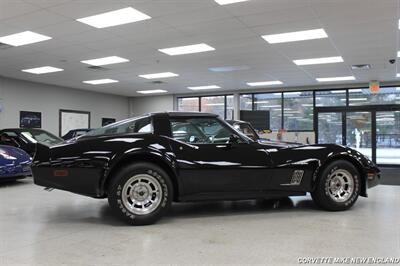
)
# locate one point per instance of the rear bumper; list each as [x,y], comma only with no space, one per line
[83,181]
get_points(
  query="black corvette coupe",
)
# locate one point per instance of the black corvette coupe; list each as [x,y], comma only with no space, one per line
[143,164]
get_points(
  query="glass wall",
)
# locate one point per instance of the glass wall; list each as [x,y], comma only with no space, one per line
[298,110]
[221,105]
[271,102]
[330,127]
[389,95]
[188,104]
[246,102]
[229,107]
[388,137]
[330,98]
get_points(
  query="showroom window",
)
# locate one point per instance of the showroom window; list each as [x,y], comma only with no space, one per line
[229,107]
[246,102]
[213,104]
[298,110]
[330,98]
[221,105]
[271,102]
[387,95]
[188,104]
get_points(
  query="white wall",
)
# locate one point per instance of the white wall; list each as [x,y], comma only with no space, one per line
[148,104]
[17,95]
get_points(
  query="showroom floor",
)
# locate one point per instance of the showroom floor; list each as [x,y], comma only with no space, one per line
[54,228]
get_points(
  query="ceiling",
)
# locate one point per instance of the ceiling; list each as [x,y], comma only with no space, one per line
[361,31]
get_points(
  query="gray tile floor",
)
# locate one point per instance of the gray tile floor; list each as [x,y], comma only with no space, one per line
[56,228]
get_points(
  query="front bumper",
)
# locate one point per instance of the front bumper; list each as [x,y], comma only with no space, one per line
[7,172]
[373,178]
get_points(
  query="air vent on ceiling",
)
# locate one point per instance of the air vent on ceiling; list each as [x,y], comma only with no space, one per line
[4,46]
[361,67]
[157,82]
[98,68]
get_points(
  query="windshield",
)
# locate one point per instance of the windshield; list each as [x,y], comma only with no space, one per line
[131,125]
[247,130]
[41,136]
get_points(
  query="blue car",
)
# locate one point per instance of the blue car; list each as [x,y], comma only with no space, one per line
[14,163]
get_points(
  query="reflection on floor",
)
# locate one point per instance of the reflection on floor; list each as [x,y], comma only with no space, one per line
[42,228]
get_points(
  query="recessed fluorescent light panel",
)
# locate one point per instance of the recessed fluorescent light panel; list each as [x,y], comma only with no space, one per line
[188,49]
[296,36]
[159,75]
[105,61]
[43,70]
[227,2]
[264,83]
[23,38]
[316,61]
[100,81]
[114,18]
[228,68]
[151,91]
[335,79]
[209,87]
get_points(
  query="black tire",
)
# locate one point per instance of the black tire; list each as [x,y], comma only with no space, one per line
[323,195]
[121,207]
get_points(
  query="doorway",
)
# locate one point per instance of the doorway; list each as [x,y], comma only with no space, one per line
[372,130]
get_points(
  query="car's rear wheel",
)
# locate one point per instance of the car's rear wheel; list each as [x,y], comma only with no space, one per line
[140,193]
[337,187]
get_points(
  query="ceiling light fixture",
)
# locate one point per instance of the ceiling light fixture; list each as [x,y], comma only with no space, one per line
[187,49]
[398,75]
[159,75]
[151,91]
[295,36]
[114,18]
[100,81]
[264,83]
[105,61]
[335,79]
[228,68]
[208,87]
[42,70]
[227,2]
[23,38]
[315,61]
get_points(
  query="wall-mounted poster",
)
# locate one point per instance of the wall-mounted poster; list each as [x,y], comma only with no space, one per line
[72,119]
[30,119]
[107,121]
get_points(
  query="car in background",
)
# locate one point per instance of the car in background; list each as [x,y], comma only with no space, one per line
[14,163]
[26,139]
[142,164]
[73,133]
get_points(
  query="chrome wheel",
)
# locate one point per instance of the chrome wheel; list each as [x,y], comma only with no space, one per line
[340,185]
[142,194]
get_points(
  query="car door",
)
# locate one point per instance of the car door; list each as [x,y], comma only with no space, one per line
[212,157]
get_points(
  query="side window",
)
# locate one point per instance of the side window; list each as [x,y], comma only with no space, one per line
[142,125]
[200,130]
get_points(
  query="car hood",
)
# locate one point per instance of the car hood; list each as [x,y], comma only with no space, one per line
[13,154]
[279,144]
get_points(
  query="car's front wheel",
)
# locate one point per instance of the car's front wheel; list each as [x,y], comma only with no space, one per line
[140,193]
[337,187]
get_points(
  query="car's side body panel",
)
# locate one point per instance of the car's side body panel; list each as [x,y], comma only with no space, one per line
[199,171]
